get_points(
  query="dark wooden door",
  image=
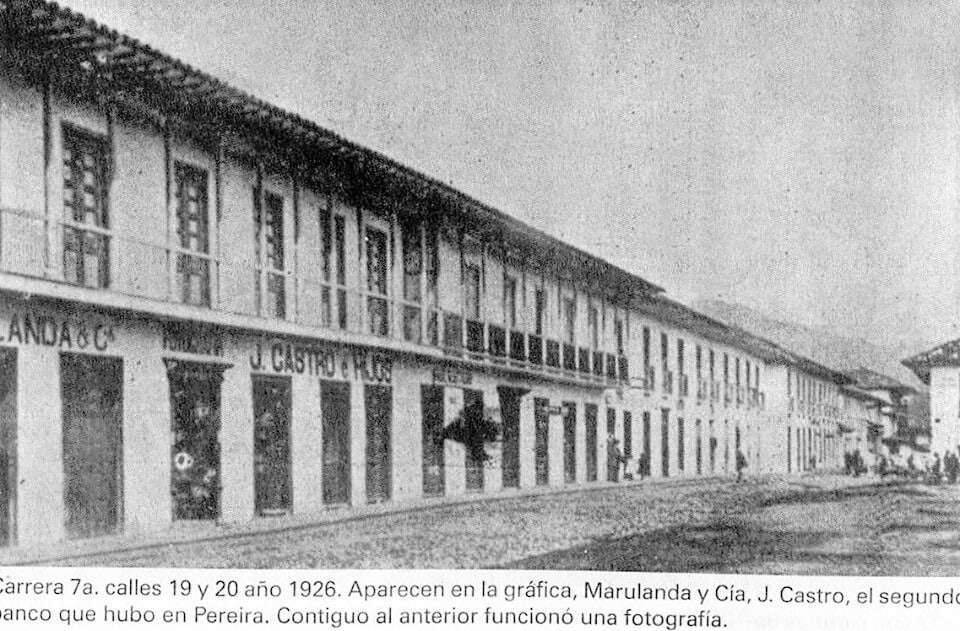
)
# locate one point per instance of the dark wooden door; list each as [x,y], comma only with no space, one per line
[613,465]
[379,404]
[92,393]
[569,442]
[541,443]
[510,417]
[473,409]
[8,445]
[272,408]
[665,442]
[335,414]
[590,423]
[434,476]
[646,443]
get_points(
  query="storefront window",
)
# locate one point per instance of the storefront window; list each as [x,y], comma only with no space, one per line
[195,449]
[272,406]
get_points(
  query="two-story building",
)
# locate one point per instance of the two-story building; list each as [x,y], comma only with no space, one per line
[213,310]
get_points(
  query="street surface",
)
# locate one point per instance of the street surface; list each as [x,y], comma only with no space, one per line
[811,525]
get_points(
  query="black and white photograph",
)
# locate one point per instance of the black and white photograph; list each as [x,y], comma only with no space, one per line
[565,285]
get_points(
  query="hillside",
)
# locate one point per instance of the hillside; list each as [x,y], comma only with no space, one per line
[818,343]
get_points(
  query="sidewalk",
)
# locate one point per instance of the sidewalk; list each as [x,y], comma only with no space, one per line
[200,532]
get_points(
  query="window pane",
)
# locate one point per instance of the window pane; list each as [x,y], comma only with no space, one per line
[376,262]
[472,292]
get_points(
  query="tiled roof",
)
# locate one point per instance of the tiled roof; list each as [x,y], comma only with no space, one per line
[944,355]
[89,58]
[870,380]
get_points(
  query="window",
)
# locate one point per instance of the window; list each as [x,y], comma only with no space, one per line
[726,369]
[471,295]
[540,304]
[646,346]
[326,248]
[270,277]
[412,291]
[193,235]
[432,268]
[664,350]
[86,230]
[593,325]
[377,312]
[339,228]
[510,302]
[618,333]
[569,320]
[737,371]
[680,356]
[699,361]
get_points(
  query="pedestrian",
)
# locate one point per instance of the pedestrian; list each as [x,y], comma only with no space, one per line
[614,459]
[643,465]
[935,469]
[741,465]
[847,462]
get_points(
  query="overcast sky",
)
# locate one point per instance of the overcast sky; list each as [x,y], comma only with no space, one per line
[801,158]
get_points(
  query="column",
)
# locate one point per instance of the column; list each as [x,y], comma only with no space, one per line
[527,440]
[306,446]
[236,445]
[40,510]
[407,443]
[147,504]
[358,445]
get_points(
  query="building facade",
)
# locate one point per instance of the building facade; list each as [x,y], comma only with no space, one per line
[214,311]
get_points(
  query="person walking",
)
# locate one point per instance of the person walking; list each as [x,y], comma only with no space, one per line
[643,465]
[741,465]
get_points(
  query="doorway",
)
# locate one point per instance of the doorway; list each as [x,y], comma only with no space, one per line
[92,393]
[541,422]
[510,416]
[379,405]
[335,415]
[569,442]
[8,446]
[272,408]
[431,401]
[195,480]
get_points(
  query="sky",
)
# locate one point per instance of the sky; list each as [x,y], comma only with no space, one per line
[800,158]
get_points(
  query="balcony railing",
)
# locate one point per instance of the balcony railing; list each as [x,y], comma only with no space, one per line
[497,340]
[667,381]
[569,357]
[649,379]
[126,264]
[535,350]
[553,354]
[583,360]
[596,361]
[518,346]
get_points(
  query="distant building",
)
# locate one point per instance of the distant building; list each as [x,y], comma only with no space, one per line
[939,368]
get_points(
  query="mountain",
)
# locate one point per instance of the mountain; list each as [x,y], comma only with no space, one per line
[818,343]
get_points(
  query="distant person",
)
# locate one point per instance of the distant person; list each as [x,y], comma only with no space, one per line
[741,465]
[643,465]
[935,469]
[614,459]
